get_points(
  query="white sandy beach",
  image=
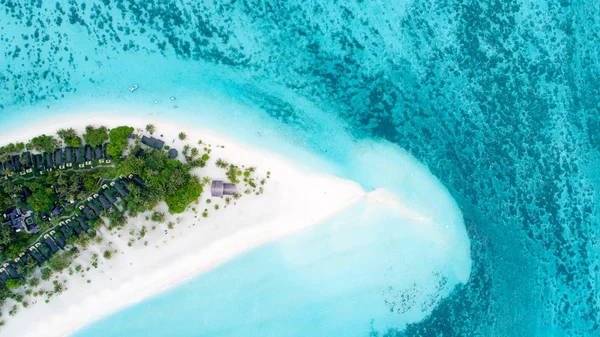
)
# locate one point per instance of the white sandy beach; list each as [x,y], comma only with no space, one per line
[292,200]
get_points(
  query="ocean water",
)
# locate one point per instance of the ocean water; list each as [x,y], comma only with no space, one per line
[499,99]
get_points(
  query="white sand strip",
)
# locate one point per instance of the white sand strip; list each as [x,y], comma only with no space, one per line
[292,200]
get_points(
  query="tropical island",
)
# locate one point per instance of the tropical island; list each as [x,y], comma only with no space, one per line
[115,209]
[57,191]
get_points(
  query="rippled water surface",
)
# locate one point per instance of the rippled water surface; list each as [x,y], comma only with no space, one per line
[498,98]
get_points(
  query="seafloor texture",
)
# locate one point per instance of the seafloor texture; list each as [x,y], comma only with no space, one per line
[499,98]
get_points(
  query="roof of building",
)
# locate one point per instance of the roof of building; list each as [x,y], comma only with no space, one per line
[87,213]
[173,153]
[98,153]
[83,223]
[103,202]
[50,243]
[69,154]
[39,161]
[49,161]
[216,188]
[153,142]
[58,157]
[88,153]
[229,189]
[27,159]
[60,241]
[110,197]
[120,189]
[78,155]
[93,206]
[75,227]
[106,155]
[15,219]
[16,163]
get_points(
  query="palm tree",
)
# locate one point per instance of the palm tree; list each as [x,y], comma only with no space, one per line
[150,128]
[221,163]
[182,136]
[205,180]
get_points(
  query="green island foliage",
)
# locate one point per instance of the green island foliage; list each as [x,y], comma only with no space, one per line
[118,140]
[63,190]
[95,136]
[70,137]
[43,143]
[165,179]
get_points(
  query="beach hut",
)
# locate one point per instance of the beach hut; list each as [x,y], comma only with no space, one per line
[49,161]
[83,223]
[75,227]
[104,203]
[44,250]
[16,163]
[98,154]
[173,153]
[39,162]
[68,156]
[94,207]
[50,243]
[122,192]
[88,155]
[137,180]
[4,276]
[9,166]
[86,211]
[64,229]
[26,160]
[110,197]
[229,189]
[107,157]
[35,254]
[153,142]
[78,157]
[60,241]
[216,188]
[58,159]
[11,270]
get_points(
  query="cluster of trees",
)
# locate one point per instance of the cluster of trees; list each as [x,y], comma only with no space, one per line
[118,140]
[9,149]
[70,137]
[165,179]
[43,143]
[95,136]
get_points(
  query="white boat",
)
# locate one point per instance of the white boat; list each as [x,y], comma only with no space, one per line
[133,87]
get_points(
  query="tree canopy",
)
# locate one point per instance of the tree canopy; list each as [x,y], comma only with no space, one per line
[95,136]
[70,137]
[118,140]
[44,143]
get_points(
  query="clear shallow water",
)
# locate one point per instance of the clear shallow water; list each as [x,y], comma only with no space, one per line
[363,270]
[499,99]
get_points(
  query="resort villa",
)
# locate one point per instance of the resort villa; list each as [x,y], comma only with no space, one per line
[218,188]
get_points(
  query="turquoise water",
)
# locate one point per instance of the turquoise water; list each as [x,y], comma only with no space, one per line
[346,277]
[499,99]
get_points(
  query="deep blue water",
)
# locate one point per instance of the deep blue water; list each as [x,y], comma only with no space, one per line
[499,99]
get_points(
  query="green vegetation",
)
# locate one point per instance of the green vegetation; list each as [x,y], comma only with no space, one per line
[184,196]
[43,143]
[95,136]
[150,128]
[165,179]
[46,274]
[107,254]
[14,283]
[158,217]
[70,137]
[182,136]
[118,140]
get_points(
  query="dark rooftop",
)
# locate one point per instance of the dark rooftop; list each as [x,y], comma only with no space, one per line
[110,197]
[78,156]
[16,163]
[173,153]
[58,157]
[103,202]
[98,153]
[69,155]
[120,189]
[49,161]
[88,153]
[153,142]
[93,206]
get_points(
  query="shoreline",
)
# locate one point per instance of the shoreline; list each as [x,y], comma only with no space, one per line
[292,197]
